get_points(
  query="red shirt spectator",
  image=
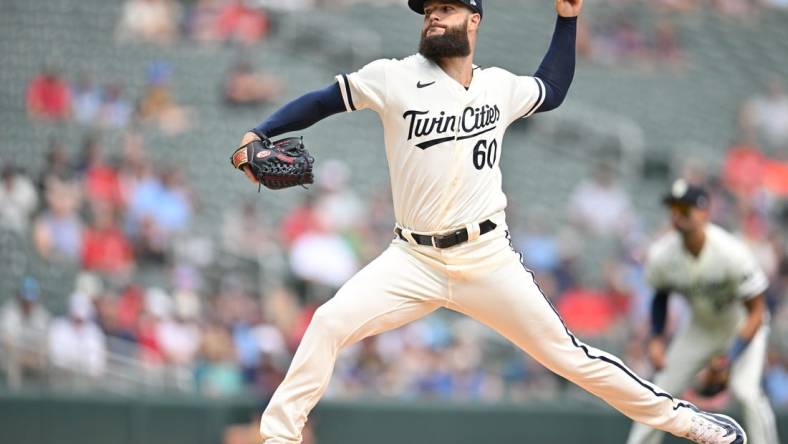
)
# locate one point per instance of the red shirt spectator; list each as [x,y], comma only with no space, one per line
[240,23]
[102,184]
[148,339]
[302,220]
[104,246]
[775,177]
[587,312]
[49,97]
[743,169]
[106,250]
[131,303]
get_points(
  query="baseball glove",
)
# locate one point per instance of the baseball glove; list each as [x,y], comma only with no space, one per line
[713,379]
[276,164]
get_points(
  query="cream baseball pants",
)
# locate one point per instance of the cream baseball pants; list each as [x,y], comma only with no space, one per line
[482,278]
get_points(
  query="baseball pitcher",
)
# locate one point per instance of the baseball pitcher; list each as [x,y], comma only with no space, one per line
[444,120]
[728,330]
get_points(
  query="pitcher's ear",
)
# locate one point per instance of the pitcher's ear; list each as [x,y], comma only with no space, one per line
[474,21]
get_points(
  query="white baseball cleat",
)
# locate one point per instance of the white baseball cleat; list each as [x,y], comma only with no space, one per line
[713,428]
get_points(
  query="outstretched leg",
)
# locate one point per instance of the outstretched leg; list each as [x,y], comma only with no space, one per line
[508,300]
[394,289]
[689,351]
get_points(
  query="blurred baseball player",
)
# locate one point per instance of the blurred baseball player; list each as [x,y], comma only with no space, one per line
[444,120]
[728,329]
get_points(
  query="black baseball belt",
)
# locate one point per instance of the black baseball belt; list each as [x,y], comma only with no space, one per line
[447,240]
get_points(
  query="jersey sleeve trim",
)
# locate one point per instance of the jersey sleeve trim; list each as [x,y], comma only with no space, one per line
[539,98]
[754,286]
[347,95]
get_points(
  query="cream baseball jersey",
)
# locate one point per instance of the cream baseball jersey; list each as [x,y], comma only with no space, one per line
[715,282]
[443,141]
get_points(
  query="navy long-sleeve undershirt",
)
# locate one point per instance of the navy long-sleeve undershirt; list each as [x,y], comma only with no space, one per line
[558,66]
[556,72]
[303,112]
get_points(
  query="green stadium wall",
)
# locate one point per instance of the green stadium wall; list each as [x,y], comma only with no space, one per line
[64,419]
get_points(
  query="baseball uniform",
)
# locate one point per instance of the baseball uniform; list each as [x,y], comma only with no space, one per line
[715,284]
[444,145]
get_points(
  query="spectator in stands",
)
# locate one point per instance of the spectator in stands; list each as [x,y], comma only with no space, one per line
[273,360]
[58,166]
[238,22]
[87,100]
[766,115]
[246,232]
[198,20]
[49,97]
[242,330]
[114,111]
[18,200]
[600,205]
[174,326]
[621,40]
[157,307]
[105,248]
[283,312]
[324,258]
[150,242]
[152,21]
[540,245]
[157,105]
[119,340]
[77,346]
[24,325]
[587,312]
[243,87]
[667,49]
[339,207]
[742,170]
[300,220]
[57,232]
[171,206]
[130,305]
[179,337]
[100,179]
[218,375]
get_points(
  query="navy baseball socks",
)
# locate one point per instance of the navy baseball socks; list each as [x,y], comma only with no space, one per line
[713,428]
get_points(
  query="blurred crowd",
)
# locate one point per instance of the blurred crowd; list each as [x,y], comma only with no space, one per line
[639,34]
[114,216]
[230,314]
[647,35]
[52,97]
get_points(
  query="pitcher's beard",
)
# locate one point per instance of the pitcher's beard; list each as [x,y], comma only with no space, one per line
[452,43]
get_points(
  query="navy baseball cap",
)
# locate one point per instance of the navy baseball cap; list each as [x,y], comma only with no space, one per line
[474,5]
[682,192]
